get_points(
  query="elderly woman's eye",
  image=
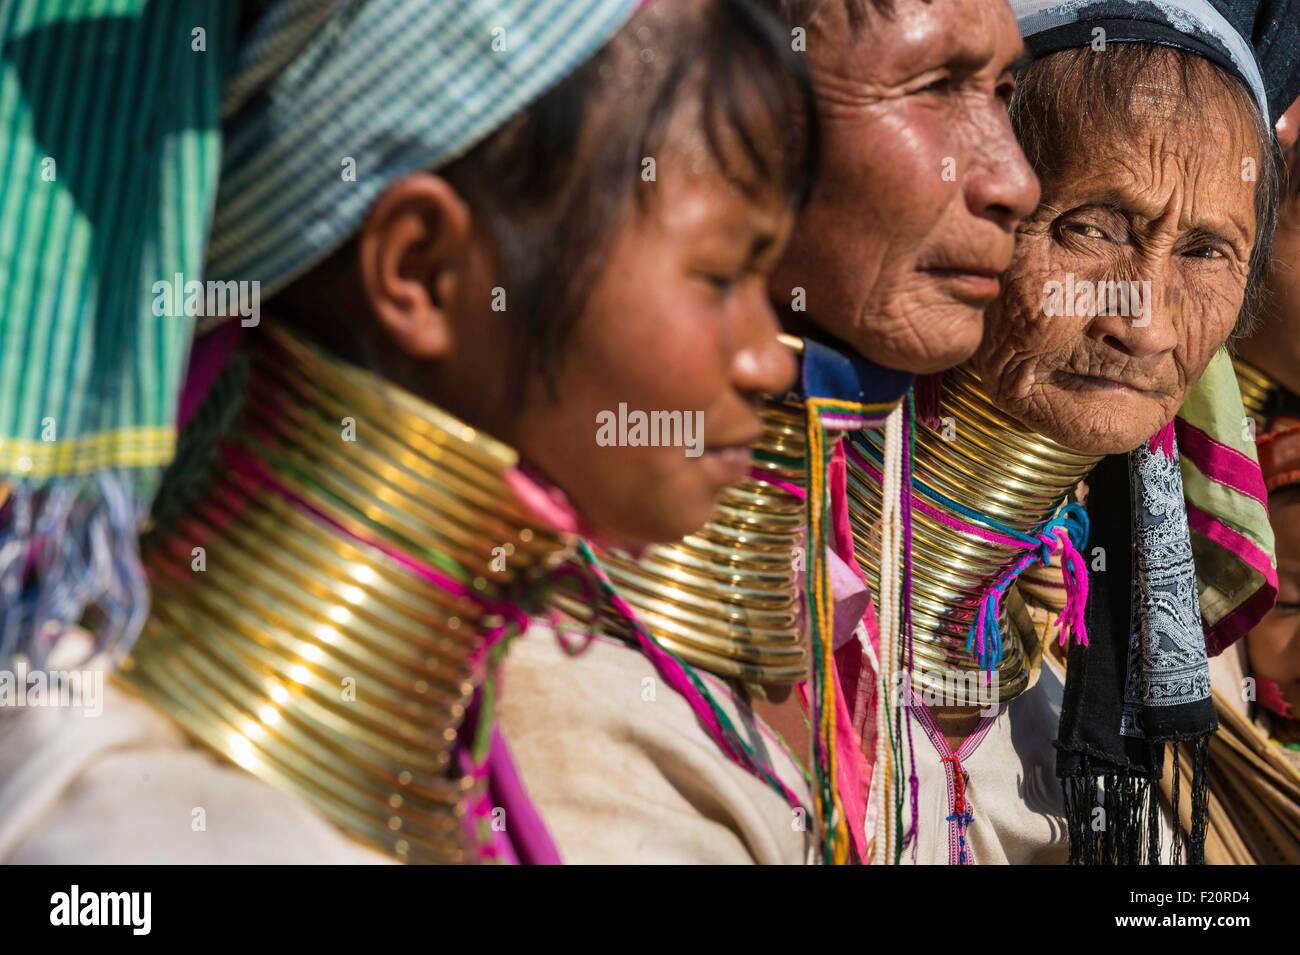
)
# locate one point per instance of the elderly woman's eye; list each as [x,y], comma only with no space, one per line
[1205,252]
[1085,229]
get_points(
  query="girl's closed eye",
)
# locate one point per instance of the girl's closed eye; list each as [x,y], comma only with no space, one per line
[722,281]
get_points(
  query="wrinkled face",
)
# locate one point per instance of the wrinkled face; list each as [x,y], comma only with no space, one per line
[1274,645]
[921,182]
[676,345]
[1127,278]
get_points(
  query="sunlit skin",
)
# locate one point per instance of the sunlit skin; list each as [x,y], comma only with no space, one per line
[1273,647]
[677,319]
[1162,209]
[919,190]
[921,184]
[1275,347]
[1159,207]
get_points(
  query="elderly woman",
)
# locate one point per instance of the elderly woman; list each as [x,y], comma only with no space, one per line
[1141,261]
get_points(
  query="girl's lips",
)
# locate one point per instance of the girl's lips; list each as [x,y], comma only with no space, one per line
[729,464]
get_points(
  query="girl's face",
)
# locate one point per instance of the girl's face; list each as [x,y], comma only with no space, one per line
[1273,647]
[651,408]
[654,407]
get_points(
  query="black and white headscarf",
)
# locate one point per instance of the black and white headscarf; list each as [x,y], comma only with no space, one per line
[1143,681]
[1257,41]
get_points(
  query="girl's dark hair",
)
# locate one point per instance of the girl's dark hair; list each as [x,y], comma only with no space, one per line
[554,183]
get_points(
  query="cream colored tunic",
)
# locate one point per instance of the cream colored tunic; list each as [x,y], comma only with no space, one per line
[1019,812]
[622,772]
[127,787]
[1016,799]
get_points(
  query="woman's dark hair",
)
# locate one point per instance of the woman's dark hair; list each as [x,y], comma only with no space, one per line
[553,184]
[1066,101]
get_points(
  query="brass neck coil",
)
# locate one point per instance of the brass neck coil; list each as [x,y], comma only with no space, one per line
[985,460]
[331,668]
[725,598]
[1257,391]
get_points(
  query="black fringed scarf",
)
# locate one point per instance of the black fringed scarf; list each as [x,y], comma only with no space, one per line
[1143,680]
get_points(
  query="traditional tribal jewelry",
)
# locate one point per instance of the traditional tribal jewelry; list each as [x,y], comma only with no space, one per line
[325,611]
[988,501]
[725,599]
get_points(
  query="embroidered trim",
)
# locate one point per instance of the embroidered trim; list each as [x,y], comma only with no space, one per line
[960,814]
[1166,657]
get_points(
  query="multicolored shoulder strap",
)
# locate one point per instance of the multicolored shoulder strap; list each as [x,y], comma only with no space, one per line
[841,393]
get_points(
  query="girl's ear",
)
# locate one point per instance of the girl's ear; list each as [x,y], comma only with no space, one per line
[414,257]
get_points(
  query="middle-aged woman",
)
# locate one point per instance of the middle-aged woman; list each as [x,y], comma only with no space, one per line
[1140,262]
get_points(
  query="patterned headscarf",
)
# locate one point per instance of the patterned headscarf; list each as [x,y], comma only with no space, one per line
[1257,41]
[117,116]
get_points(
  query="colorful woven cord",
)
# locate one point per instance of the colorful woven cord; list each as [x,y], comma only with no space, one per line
[682,677]
[1065,534]
[894,758]
[831,819]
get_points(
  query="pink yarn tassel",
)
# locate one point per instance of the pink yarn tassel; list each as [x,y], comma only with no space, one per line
[1163,440]
[1071,620]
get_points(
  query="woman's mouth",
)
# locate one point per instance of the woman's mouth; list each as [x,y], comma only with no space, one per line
[728,464]
[1095,383]
[1078,381]
[974,284]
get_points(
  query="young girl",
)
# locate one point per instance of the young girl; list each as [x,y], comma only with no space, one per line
[550,211]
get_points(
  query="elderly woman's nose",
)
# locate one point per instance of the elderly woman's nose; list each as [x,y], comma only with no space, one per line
[1148,333]
[1002,187]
